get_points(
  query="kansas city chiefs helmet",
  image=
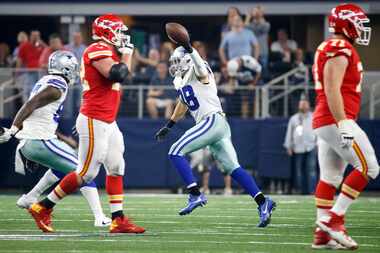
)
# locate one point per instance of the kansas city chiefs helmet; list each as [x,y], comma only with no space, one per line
[111,29]
[350,20]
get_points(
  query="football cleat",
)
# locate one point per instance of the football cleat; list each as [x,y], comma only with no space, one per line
[194,202]
[265,212]
[42,217]
[103,221]
[124,225]
[25,202]
[323,240]
[333,224]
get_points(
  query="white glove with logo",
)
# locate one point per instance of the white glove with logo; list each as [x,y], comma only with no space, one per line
[8,134]
[127,47]
[346,127]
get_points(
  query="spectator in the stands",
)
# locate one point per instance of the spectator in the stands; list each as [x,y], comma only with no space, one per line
[231,12]
[245,71]
[256,21]
[166,49]
[238,42]
[77,46]
[55,43]
[145,67]
[284,45]
[5,57]
[300,143]
[22,37]
[28,57]
[160,98]
[299,62]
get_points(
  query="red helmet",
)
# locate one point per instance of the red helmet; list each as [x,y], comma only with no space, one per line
[350,20]
[111,29]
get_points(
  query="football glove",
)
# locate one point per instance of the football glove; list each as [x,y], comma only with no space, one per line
[346,127]
[127,47]
[8,134]
[161,134]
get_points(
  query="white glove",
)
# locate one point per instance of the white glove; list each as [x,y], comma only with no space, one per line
[346,127]
[127,47]
[8,134]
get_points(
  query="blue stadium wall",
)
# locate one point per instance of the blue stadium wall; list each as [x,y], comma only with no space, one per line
[258,142]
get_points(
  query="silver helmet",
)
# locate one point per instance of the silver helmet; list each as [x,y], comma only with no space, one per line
[64,63]
[180,62]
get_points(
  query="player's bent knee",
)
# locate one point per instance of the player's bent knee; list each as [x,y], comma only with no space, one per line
[373,172]
[335,180]
[88,177]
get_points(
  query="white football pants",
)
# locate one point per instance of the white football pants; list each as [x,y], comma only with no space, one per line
[333,159]
[99,143]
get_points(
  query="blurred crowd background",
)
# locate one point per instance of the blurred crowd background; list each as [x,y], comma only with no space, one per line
[261,62]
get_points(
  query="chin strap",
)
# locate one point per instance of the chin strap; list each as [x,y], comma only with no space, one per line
[199,64]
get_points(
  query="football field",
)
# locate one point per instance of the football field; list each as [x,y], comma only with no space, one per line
[226,224]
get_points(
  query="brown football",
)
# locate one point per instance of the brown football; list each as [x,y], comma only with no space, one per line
[177,33]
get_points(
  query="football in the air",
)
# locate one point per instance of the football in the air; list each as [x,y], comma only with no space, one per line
[177,33]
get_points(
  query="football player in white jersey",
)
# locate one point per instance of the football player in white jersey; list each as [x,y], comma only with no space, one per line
[197,91]
[35,125]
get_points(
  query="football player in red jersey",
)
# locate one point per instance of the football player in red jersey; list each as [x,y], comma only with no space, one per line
[338,74]
[105,66]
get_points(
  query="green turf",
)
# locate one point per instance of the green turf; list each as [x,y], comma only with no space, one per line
[226,224]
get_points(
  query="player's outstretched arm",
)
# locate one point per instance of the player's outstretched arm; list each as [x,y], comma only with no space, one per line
[45,97]
[179,112]
[333,73]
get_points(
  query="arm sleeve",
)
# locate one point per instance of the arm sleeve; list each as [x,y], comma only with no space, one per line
[252,38]
[97,52]
[57,83]
[288,136]
[199,65]
[223,43]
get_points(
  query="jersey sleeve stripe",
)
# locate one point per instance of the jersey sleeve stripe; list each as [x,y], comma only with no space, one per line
[99,53]
[57,83]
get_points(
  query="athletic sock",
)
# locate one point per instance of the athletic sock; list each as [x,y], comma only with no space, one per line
[114,188]
[324,198]
[47,180]
[68,185]
[352,186]
[90,192]
[194,190]
[260,199]
[183,168]
[248,183]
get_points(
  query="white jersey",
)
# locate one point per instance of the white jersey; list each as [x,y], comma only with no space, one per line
[201,99]
[43,122]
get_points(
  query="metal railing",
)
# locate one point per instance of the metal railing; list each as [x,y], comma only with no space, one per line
[281,88]
[279,97]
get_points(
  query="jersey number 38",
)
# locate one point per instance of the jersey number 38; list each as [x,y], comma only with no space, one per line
[187,95]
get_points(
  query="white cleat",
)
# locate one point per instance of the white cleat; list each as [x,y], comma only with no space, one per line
[102,222]
[334,226]
[25,202]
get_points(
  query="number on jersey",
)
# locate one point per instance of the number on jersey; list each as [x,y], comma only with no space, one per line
[188,97]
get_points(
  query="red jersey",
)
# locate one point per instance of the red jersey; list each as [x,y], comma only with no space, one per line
[30,54]
[100,97]
[351,86]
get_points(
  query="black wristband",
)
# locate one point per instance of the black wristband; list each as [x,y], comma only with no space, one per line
[170,124]
[188,48]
